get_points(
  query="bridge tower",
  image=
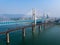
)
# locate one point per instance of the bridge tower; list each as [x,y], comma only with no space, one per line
[34,15]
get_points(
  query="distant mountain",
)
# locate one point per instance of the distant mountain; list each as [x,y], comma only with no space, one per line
[13,15]
[9,16]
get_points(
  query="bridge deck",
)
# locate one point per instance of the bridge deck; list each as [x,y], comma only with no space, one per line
[17,28]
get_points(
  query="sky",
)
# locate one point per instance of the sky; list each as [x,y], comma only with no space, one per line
[50,7]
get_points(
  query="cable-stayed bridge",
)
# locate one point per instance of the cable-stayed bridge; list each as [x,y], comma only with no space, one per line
[23,24]
[35,18]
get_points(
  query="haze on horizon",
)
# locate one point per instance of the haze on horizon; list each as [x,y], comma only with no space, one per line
[51,7]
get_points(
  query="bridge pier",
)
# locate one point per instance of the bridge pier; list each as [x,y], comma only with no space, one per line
[7,38]
[44,26]
[33,28]
[23,32]
[40,29]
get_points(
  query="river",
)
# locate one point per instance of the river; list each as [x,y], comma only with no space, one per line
[50,36]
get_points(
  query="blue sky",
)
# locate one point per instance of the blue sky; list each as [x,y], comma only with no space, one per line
[52,7]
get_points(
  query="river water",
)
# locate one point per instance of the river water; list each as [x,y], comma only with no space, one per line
[50,36]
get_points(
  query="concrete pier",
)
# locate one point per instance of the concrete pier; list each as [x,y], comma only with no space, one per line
[40,28]
[7,38]
[33,28]
[23,32]
[44,26]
